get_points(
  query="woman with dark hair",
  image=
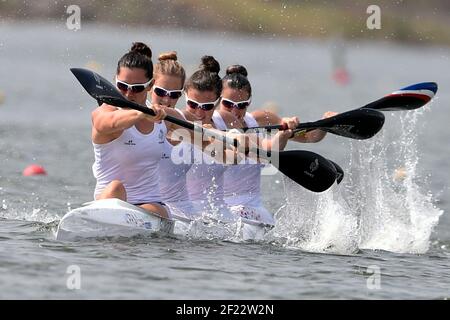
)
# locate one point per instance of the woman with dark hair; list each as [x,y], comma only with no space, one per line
[204,180]
[242,182]
[128,143]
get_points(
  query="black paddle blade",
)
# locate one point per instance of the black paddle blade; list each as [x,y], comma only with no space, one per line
[357,124]
[408,98]
[340,172]
[308,169]
[104,91]
[97,86]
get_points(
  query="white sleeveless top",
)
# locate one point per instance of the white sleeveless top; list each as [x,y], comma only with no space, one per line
[205,177]
[133,158]
[175,163]
[242,182]
[205,182]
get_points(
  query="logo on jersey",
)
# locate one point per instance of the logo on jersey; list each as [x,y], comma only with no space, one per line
[130,143]
[165,156]
[161,136]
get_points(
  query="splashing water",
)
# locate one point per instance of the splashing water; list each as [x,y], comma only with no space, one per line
[315,222]
[374,209]
[395,214]
[32,213]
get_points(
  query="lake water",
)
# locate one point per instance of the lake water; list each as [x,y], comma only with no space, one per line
[373,237]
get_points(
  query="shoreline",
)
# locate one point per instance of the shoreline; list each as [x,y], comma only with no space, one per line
[60,25]
[414,24]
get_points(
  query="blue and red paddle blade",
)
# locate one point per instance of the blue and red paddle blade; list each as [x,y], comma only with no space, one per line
[408,98]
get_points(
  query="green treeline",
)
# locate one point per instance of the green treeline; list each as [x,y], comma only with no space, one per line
[403,21]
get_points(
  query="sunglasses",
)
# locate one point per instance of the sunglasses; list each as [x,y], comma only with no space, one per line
[238,105]
[204,106]
[136,88]
[172,94]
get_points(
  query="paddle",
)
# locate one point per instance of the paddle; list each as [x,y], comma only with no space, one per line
[310,170]
[409,98]
[356,124]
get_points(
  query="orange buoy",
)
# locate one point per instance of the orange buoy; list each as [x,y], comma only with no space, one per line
[341,76]
[33,170]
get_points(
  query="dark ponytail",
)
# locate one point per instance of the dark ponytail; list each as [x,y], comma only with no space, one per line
[207,77]
[139,56]
[236,78]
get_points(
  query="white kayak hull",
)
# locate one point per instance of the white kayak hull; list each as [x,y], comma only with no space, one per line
[117,218]
[110,217]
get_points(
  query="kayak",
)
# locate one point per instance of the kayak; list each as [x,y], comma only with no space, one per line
[110,217]
[117,218]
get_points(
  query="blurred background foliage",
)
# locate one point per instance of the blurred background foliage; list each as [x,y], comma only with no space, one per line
[403,21]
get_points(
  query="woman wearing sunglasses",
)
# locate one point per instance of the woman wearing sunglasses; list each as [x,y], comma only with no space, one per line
[242,182]
[127,143]
[169,77]
[204,180]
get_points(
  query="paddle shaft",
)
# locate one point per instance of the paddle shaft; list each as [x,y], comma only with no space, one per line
[356,124]
[305,125]
[180,122]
